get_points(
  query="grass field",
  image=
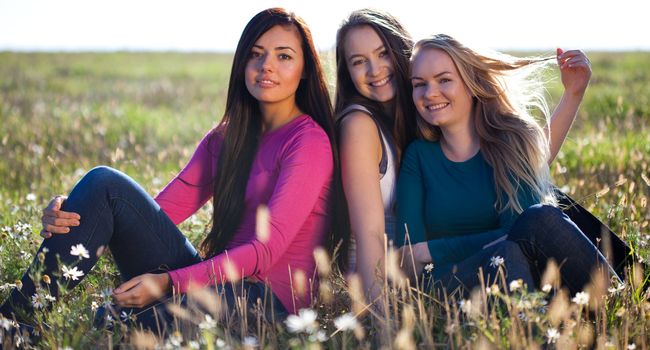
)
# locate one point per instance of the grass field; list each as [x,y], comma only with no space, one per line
[143,113]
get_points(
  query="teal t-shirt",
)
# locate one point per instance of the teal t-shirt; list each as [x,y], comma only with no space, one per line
[449,204]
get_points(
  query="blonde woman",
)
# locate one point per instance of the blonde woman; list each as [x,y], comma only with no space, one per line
[376,122]
[475,191]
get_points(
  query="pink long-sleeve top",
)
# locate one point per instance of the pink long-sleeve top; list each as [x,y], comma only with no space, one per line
[291,174]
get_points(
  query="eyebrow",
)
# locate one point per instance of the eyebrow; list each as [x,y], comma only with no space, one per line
[435,76]
[382,47]
[279,48]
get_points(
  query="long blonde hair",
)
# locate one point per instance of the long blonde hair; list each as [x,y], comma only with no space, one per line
[505,91]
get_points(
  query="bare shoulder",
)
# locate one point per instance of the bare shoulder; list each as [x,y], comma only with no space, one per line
[359,125]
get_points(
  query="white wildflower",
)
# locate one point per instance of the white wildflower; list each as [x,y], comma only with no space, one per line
[94,306]
[547,288]
[496,261]
[208,323]
[305,321]
[220,343]
[615,290]
[80,251]
[466,306]
[40,301]
[631,346]
[6,323]
[516,284]
[492,290]
[250,342]
[581,298]
[71,273]
[428,267]
[552,335]
[346,322]
[193,344]
[30,197]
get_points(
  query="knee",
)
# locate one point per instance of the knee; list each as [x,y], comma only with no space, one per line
[534,219]
[101,177]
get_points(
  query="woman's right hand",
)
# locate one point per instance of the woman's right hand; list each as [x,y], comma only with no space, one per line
[55,220]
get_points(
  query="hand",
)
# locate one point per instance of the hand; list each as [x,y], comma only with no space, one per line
[55,220]
[414,257]
[575,70]
[142,290]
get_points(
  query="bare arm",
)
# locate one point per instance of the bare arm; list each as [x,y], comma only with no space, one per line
[360,151]
[575,70]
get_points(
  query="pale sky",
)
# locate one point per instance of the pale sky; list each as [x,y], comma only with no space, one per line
[202,25]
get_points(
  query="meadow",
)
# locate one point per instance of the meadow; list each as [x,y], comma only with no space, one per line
[61,114]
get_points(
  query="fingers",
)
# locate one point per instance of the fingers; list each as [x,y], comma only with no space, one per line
[137,292]
[55,220]
[572,58]
[58,221]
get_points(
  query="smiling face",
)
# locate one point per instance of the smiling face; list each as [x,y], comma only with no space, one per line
[275,66]
[440,95]
[369,64]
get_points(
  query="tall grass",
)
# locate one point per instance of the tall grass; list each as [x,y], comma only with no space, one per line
[143,113]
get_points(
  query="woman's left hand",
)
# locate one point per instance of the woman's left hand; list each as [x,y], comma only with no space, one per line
[414,257]
[575,70]
[142,290]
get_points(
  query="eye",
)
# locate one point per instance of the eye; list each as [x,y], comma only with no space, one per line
[358,62]
[284,56]
[383,53]
[444,80]
[254,54]
[417,84]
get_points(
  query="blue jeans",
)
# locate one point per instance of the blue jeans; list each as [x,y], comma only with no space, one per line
[460,278]
[115,213]
[544,232]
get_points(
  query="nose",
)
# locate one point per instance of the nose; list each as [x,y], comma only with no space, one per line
[431,91]
[266,63]
[374,68]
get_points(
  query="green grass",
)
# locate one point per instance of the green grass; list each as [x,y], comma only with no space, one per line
[143,113]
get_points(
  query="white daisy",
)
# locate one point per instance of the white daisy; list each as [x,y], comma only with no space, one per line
[250,342]
[552,335]
[71,273]
[428,267]
[581,298]
[496,261]
[79,250]
[30,197]
[305,321]
[346,322]
[516,284]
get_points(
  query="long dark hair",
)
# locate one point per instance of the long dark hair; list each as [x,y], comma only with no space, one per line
[400,118]
[241,125]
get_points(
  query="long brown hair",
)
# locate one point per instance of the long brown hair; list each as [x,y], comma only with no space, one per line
[511,140]
[241,125]
[400,118]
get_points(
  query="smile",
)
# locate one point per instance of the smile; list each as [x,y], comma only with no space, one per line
[381,82]
[266,83]
[437,106]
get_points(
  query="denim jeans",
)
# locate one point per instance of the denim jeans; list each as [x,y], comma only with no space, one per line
[544,232]
[461,278]
[115,213]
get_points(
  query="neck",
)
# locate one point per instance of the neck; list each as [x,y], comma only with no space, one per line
[460,142]
[276,115]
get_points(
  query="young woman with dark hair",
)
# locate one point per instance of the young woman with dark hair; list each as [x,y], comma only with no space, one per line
[274,147]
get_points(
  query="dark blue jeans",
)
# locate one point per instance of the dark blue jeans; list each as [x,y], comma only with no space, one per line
[544,232]
[461,278]
[115,213]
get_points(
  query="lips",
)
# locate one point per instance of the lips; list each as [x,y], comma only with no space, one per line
[266,82]
[437,106]
[381,82]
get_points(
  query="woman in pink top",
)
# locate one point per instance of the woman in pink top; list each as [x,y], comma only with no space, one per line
[273,148]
